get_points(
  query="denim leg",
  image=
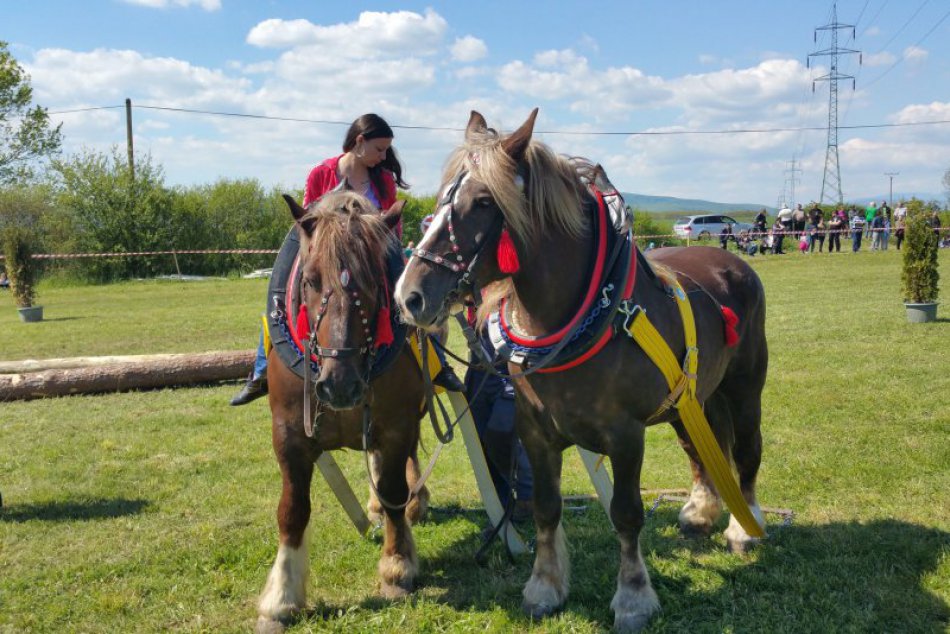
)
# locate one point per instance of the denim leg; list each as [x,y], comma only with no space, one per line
[260,361]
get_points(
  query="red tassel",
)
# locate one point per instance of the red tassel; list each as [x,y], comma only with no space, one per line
[384,329]
[507,256]
[732,320]
[303,323]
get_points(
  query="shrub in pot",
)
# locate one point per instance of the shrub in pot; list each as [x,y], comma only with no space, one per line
[919,274]
[17,244]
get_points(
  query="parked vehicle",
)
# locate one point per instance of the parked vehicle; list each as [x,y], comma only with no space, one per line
[707,226]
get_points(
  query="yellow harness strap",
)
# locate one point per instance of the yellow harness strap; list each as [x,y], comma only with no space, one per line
[432,359]
[266,331]
[682,383]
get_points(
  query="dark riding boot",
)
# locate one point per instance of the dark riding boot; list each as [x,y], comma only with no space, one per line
[253,389]
[447,378]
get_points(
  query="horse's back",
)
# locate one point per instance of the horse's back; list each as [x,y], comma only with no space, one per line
[725,275]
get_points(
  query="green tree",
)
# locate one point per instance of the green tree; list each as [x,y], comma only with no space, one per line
[109,211]
[26,137]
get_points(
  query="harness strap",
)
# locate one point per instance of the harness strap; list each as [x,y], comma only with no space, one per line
[682,383]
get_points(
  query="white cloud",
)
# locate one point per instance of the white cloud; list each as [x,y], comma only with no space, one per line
[879,59]
[706,59]
[468,49]
[207,5]
[564,75]
[111,75]
[372,36]
[915,54]
[872,31]
[934,111]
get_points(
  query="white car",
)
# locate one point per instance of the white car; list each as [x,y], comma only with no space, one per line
[707,226]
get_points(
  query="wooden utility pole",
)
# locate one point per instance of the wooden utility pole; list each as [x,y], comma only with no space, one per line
[128,135]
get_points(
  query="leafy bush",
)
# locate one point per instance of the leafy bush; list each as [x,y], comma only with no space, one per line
[17,243]
[412,214]
[644,224]
[919,275]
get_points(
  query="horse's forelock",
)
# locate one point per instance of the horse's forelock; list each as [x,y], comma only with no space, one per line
[553,186]
[348,233]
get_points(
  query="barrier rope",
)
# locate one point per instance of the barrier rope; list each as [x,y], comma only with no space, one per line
[751,234]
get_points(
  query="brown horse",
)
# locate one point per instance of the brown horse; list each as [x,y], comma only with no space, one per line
[510,188]
[344,245]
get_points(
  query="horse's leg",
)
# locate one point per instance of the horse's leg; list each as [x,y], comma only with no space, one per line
[547,588]
[416,511]
[398,564]
[635,600]
[419,506]
[285,592]
[704,507]
[746,406]
[374,510]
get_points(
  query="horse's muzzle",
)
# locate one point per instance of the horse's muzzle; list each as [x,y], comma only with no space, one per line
[341,394]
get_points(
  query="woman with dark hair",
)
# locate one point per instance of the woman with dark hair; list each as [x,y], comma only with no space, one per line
[370,167]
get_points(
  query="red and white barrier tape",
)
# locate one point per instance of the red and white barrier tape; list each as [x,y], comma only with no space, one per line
[751,234]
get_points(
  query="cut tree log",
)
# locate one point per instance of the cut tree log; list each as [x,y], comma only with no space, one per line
[126,373]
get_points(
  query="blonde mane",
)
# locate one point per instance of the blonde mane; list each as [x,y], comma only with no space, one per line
[347,233]
[553,186]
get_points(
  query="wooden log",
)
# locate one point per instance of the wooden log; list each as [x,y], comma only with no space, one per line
[38,365]
[178,369]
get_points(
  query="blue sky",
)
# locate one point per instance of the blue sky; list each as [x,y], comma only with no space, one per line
[591,67]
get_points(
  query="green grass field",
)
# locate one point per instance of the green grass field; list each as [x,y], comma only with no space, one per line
[154,511]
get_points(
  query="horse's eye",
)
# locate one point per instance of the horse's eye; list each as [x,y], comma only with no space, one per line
[483,201]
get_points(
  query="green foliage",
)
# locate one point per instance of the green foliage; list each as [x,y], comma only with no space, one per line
[26,138]
[17,245]
[919,275]
[646,224]
[23,214]
[107,211]
[412,214]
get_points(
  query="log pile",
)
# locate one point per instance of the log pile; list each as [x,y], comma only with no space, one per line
[26,380]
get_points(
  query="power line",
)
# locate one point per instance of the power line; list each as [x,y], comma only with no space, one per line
[903,57]
[904,26]
[85,109]
[565,132]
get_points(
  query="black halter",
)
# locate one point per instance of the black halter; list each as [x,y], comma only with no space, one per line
[454,261]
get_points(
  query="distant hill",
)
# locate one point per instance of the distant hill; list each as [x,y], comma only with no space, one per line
[661,204]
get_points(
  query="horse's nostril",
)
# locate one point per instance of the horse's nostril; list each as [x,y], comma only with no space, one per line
[415,303]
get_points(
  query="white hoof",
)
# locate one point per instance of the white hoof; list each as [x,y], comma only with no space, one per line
[737,538]
[701,511]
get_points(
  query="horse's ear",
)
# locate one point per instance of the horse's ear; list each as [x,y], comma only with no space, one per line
[516,144]
[476,125]
[393,215]
[298,213]
[295,208]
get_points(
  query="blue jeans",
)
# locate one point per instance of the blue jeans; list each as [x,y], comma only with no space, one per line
[856,240]
[260,361]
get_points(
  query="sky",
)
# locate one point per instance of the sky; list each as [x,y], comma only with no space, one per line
[602,74]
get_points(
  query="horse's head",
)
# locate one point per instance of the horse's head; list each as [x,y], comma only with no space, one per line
[482,195]
[343,248]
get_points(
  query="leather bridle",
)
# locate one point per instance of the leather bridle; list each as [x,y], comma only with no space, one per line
[454,261]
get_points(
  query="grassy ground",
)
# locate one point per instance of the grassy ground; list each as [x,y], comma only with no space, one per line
[154,511]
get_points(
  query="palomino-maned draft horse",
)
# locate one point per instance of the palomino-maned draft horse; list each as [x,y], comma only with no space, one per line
[344,247]
[510,189]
